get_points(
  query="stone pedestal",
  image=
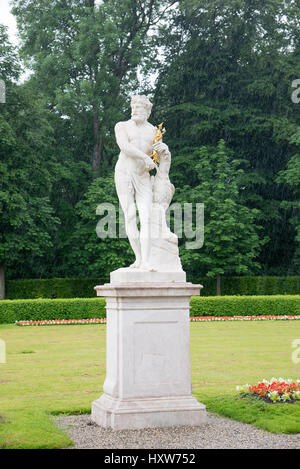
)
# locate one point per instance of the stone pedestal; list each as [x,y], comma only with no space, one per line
[147,356]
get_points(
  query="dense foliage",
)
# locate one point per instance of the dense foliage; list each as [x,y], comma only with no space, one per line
[84,287]
[224,73]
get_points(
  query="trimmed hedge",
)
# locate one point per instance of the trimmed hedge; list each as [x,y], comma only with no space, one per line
[84,287]
[275,305]
[74,308]
[259,285]
[53,288]
[88,308]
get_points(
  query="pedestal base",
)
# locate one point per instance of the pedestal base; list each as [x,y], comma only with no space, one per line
[132,414]
[147,357]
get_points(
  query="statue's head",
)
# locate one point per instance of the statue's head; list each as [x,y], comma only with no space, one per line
[140,108]
[165,163]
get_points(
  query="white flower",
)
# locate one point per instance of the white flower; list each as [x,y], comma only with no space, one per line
[273,396]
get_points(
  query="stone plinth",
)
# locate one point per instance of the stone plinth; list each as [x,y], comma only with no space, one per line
[126,275]
[148,381]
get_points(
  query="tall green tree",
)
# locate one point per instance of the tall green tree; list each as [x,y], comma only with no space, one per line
[291,177]
[27,220]
[231,238]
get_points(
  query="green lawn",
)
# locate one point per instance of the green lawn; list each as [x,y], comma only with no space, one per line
[61,369]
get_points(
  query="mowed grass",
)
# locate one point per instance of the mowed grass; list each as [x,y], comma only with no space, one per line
[61,369]
[227,354]
[63,373]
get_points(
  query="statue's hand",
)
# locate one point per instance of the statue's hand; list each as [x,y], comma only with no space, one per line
[161,147]
[150,163]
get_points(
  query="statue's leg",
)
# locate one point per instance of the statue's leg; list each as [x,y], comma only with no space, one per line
[125,193]
[144,205]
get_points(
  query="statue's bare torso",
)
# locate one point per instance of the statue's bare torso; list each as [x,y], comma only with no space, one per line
[140,137]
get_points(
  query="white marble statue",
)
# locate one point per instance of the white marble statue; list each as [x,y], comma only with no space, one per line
[154,246]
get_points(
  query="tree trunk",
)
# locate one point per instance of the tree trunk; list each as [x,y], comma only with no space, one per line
[2,281]
[218,285]
[98,146]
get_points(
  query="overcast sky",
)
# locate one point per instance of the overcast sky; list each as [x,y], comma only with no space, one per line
[8,19]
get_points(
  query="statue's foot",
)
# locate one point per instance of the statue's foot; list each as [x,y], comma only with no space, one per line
[135,265]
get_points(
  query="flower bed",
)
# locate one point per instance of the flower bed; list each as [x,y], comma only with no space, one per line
[243,318]
[275,390]
[62,322]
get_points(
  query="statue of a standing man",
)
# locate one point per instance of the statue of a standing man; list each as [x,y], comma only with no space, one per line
[135,138]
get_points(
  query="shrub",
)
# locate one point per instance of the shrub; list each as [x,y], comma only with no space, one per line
[53,288]
[275,305]
[88,308]
[84,287]
[258,285]
[76,308]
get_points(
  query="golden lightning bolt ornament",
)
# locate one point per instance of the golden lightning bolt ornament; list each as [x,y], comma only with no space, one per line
[159,133]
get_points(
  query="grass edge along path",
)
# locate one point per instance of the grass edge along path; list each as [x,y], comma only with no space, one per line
[31,429]
[274,418]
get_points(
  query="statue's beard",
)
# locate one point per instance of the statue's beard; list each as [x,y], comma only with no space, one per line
[139,118]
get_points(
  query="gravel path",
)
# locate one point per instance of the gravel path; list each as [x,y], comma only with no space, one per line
[219,432]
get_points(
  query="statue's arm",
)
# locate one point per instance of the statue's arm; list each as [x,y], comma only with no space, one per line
[161,148]
[125,146]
